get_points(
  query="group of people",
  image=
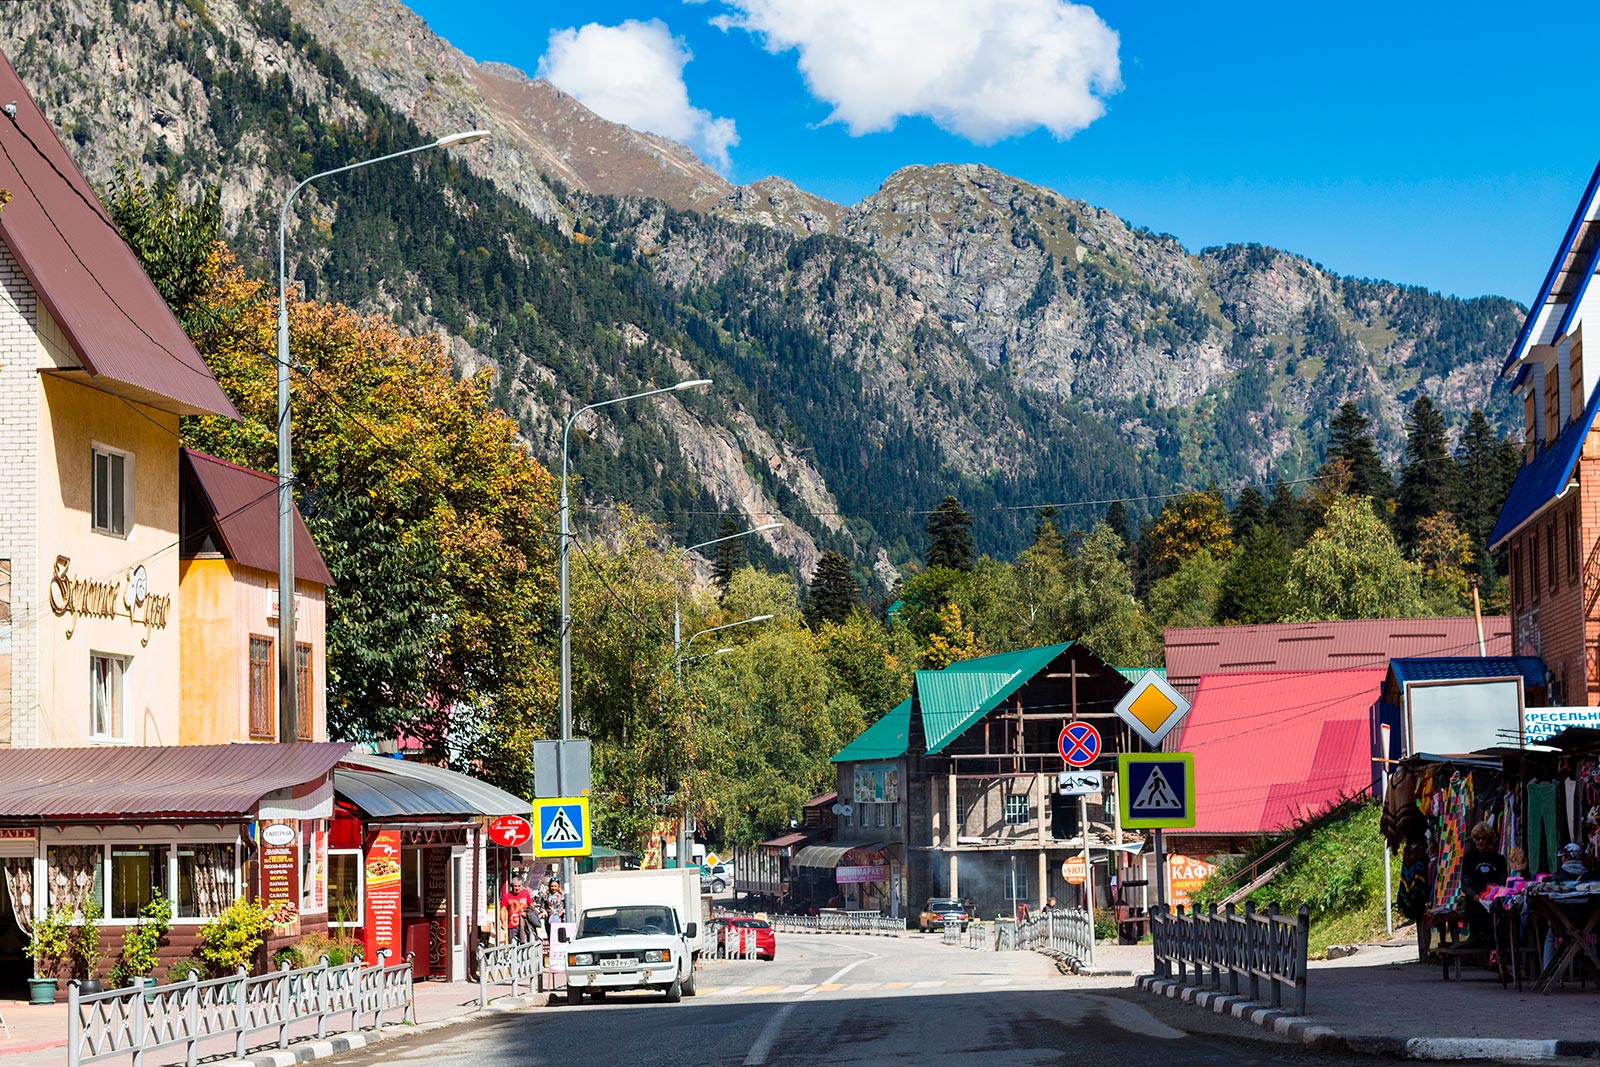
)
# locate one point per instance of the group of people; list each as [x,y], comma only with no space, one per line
[528,912]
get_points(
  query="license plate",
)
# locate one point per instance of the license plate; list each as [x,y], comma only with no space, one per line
[627,962]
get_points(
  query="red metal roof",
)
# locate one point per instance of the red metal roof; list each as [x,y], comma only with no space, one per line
[1272,746]
[119,327]
[128,780]
[243,506]
[1323,646]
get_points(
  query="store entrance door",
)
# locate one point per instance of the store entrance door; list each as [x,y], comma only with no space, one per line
[16,880]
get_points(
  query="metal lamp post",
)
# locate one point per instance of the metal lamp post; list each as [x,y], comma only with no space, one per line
[677,601]
[288,697]
[566,603]
[677,669]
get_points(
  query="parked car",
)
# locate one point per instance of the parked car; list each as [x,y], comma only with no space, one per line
[716,878]
[942,910]
[725,928]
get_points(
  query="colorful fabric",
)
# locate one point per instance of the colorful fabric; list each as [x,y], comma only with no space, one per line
[1411,897]
[1455,810]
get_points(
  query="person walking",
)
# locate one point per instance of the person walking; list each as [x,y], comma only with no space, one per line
[516,903]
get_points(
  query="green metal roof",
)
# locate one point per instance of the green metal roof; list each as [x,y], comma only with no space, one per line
[964,692]
[884,739]
[1133,674]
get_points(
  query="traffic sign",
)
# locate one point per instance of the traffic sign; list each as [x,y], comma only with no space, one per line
[1079,783]
[1156,789]
[1152,708]
[563,826]
[509,831]
[1074,870]
[1079,744]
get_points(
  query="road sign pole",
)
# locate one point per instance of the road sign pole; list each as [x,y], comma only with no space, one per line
[1088,866]
[1161,870]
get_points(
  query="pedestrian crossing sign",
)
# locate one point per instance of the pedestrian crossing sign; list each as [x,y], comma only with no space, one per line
[1156,790]
[563,826]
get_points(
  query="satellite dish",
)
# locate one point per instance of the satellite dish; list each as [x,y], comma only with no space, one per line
[838,809]
[847,810]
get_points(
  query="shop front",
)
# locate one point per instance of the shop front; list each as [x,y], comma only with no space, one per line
[866,876]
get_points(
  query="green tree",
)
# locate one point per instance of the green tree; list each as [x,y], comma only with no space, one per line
[950,536]
[1351,569]
[1117,518]
[1444,552]
[1249,512]
[1252,588]
[1486,467]
[1100,606]
[1427,480]
[1187,596]
[1350,441]
[869,661]
[992,605]
[1288,514]
[834,592]
[175,240]
[730,554]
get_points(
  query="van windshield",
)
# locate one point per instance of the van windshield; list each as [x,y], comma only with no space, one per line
[636,919]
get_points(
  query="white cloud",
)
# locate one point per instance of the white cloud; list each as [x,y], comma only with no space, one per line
[981,69]
[633,74]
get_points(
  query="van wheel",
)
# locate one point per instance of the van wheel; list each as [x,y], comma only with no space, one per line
[688,985]
[719,886]
[674,992]
[574,996]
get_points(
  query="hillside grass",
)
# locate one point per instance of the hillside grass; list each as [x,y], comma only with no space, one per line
[1337,869]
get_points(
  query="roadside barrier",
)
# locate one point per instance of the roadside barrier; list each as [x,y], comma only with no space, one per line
[1065,933]
[840,922]
[737,943]
[516,963]
[1251,945]
[118,1022]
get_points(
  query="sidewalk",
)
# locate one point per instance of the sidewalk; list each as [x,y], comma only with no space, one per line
[38,1035]
[1382,1001]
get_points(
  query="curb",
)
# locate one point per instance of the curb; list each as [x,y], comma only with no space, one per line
[322,1048]
[1322,1038]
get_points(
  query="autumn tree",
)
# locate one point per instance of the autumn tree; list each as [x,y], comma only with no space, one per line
[175,239]
[1351,569]
[1445,554]
[1190,523]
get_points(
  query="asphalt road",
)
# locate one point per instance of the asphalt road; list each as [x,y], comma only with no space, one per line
[856,1000]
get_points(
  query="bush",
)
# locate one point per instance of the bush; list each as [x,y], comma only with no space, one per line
[233,938]
[83,942]
[1105,926]
[310,950]
[179,970]
[48,945]
[141,943]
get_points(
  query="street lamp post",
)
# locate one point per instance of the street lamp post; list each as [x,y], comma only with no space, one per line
[566,603]
[288,697]
[677,600]
[677,669]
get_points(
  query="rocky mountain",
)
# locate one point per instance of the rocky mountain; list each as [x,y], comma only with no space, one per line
[958,330]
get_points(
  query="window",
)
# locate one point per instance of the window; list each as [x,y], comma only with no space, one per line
[1572,547]
[895,808]
[207,874]
[1533,569]
[410,881]
[880,813]
[75,875]
[113,489]
[138,874]
[344,888]
[1017,882]
[302,690]
[261,689]
[106,677]
[1550,553]
[1018,810]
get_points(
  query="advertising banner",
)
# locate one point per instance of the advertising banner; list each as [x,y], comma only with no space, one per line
[280,870]
[381,929]
[856,875]
[1184,876]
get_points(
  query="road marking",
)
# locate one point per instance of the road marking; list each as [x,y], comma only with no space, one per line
[726,991]
[828,987]
[995,981]
[865,985]
[800,988]
[769,1034]
[763,990]
[897,985]
[927,985]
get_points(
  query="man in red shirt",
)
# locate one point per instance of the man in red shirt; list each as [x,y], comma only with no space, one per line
[517,904]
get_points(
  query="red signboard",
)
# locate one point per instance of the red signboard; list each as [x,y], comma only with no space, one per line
[382,927]
[510,831]
[280,869]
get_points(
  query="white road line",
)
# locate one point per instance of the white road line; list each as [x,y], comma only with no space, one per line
[728,991]
[799,988]
[996,981]
[762,1046]
[927,985]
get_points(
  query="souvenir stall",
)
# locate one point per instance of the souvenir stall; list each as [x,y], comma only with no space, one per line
[1498,858]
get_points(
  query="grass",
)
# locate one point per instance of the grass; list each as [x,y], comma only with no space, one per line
[1336,869]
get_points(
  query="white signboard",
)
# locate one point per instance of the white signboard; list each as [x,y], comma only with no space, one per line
[1541,724]
[1078,783]
[1455,718]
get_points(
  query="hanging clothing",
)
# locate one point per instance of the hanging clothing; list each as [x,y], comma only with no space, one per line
[1455,810]
[1411,897]
[1542,843]
[19,891]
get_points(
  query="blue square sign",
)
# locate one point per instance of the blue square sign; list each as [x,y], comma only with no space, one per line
[1156,790]
[562,826]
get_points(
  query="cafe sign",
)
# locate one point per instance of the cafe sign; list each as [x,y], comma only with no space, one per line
[95,598]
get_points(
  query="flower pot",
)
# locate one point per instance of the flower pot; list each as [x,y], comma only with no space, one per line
[41,991]
[90,985]
[145,982]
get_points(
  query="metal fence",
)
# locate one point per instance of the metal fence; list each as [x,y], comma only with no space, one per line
[516,964]
[737,943]
[840,922]
[120,1022]
[1210,948]
[1066,933]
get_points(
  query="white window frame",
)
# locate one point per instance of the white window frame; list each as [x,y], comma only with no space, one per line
[97,450]
[361,888]
[1023,817]
[125,665]
[171,844]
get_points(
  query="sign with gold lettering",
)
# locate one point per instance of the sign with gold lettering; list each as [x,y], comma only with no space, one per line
[100,599]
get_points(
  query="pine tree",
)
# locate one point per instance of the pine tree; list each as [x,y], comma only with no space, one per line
[1481,482]
[1350,441]
[833,593]
[1047,535]
[1252,586]
[1426,482]
[1249,511]
[730,554]
[1288,514]
[950,536]
[1117,518]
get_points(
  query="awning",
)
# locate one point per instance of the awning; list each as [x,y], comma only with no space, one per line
[788,840]
[830,855]
[401,788]
[138,780]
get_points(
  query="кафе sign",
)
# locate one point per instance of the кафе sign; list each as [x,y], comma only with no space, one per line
[106,600]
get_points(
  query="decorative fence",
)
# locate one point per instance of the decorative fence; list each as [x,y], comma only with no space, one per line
[1249,945]
[516,964]
[118,1022]
[736,943]
[1065,933]
[840,922]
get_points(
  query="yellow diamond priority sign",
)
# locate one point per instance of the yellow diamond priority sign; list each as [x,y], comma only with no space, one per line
[1152,708]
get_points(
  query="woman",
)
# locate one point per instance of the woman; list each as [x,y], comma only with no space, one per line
[1481,867]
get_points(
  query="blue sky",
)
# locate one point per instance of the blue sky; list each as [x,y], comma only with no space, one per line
[1420,143]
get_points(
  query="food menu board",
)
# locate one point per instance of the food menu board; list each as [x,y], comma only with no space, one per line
[280,867]
[382,927]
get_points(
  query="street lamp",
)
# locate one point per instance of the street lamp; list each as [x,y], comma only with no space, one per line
[677,667]
[566,608]
[288,702]
[677,601]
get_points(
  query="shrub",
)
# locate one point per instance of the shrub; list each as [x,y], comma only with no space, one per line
[141,943]
[48,945]
[179,970]
[83,941]
[232,939]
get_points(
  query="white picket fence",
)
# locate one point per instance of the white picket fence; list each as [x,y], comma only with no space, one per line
[737,943]
[120,1022]
[840,922]
[514,964]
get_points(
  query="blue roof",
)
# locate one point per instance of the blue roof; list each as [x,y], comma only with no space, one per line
[1457,668]
[1538,305]
[1540,482]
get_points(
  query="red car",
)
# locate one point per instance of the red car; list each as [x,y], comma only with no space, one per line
[731,928]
